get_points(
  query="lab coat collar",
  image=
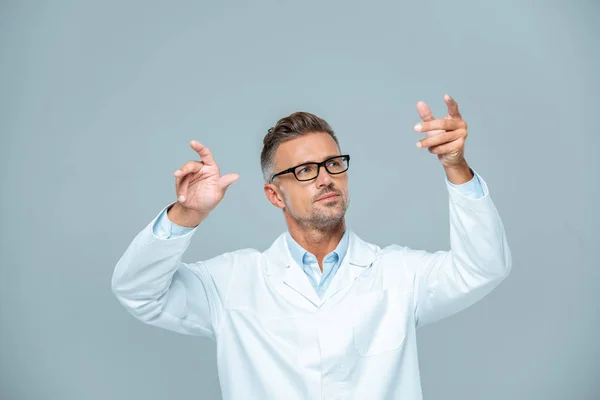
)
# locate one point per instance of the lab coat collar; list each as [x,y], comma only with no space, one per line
[279,262]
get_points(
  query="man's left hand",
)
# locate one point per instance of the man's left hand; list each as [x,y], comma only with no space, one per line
[445,137]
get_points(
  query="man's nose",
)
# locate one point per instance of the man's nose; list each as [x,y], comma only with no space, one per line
[324,179]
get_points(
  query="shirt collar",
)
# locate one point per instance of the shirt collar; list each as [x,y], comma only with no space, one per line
[298,252]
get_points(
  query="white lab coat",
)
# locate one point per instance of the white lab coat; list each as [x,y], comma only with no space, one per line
[277,340]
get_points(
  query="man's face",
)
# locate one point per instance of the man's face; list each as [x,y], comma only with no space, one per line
[302,200]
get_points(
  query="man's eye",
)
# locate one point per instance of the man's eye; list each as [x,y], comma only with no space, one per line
[306,170]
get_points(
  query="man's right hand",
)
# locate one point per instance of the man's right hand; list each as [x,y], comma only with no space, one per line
[199,187]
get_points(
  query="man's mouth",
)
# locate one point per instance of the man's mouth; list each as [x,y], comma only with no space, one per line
[329,196]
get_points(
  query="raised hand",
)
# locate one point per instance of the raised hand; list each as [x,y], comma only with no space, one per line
[199,184]
[445,137]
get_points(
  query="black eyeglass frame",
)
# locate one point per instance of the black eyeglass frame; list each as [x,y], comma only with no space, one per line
[318,164]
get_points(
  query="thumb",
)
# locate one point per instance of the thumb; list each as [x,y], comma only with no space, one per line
[227,180]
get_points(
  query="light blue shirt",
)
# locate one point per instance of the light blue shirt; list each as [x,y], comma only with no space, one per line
[320,281]
[308,262]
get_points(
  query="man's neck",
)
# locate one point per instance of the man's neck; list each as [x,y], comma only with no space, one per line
[318,242]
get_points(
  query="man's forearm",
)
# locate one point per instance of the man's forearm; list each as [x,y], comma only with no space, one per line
[459,174]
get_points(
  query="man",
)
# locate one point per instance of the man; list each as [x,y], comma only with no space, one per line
[321,314]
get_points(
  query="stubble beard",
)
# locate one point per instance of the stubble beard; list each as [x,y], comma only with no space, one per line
[321,218]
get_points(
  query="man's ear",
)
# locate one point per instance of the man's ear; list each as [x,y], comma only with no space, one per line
[273,194]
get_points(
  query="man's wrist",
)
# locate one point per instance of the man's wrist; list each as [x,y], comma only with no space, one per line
[184,217]
[459,173]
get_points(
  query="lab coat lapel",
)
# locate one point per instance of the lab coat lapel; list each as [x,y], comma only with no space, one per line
[279,262]
[358,259]
[296,278]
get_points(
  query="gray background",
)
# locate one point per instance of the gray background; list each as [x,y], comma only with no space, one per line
[100,99]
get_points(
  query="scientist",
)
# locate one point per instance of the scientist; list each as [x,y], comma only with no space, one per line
[321,313]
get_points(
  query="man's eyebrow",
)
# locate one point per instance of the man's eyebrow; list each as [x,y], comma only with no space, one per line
[326,157]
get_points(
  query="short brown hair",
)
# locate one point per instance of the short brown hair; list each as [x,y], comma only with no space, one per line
[295,125]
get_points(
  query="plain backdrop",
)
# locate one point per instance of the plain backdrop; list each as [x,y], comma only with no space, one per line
[99,100]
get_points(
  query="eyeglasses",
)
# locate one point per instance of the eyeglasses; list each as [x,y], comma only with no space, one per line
[309,171]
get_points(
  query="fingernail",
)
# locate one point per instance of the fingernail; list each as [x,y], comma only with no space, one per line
[448,98]
[177,172]
[418,127]
[181,198]
[419,144]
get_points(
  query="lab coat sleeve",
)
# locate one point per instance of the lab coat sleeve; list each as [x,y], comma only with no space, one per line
[156,287]
[472,188]
[446,282]
[164,228]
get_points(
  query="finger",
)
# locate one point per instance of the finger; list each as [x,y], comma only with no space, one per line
[424,111]
[191,167]
[442,138]
[183,176]
[448,147]
[426,115]
[227,180]
[452,107]
[183,188]
[443,124]
[203,152]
